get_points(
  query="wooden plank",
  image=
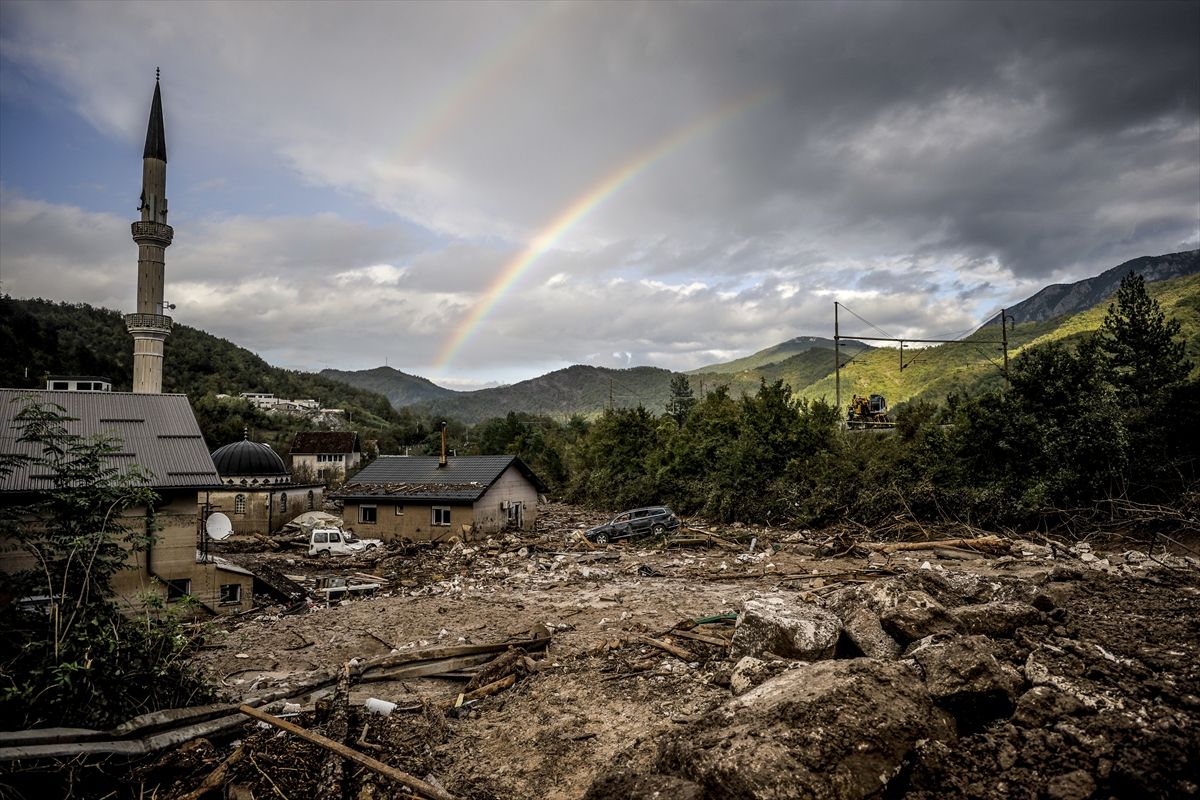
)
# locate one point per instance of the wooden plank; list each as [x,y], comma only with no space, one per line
[378,767]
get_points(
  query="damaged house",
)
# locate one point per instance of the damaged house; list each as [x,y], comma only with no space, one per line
[159,433]
[426,498]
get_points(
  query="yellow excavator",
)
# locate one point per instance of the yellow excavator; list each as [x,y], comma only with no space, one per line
[868,412]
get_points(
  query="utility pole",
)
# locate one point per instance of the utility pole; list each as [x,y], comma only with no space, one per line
[1004,318]
[837,361]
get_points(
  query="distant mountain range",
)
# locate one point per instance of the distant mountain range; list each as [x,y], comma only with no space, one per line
[1060,299]
[38,337]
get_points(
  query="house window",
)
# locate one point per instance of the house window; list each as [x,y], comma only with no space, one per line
[178,589]
[329,458]
[367,515]
[514,514]
[239,504]
[283,503]
[311,501]
[61,385]
[441,516]
[399,510]
[231,593]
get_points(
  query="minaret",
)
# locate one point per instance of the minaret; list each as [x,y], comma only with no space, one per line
[150,326]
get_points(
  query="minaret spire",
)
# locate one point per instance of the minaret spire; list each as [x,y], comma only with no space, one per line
[150,326]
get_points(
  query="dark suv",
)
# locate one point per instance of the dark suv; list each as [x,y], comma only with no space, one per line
[653,520]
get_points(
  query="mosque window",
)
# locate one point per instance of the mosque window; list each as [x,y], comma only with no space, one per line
[239,504]
[283,503]
[311,502]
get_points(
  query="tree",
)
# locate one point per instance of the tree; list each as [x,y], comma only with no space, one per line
[682,401]
[79,661]
[1141,346]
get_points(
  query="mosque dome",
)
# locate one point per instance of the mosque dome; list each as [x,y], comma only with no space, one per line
[247,458]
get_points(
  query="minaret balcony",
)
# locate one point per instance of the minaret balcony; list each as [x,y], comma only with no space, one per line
[148,323]
[153,233]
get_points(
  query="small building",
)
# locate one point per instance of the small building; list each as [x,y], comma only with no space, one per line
[256,491]
[426,498]
[78,383]
[159,433]
[327,455]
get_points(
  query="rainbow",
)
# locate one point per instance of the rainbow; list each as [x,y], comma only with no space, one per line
[583,205]
[485,73]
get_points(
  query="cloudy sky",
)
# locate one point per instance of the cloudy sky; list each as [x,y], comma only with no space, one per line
[485,191]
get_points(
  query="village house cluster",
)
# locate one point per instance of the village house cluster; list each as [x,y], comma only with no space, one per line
[391,498]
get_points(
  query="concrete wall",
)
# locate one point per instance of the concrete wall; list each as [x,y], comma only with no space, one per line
[262,514]
[491,514]
[407,521]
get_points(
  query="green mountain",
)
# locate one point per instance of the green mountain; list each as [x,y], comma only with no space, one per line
[400,388]
[1061,299]
[778,353]
[575,390]
[975,363]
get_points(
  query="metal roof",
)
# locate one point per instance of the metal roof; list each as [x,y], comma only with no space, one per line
[464,478]
[314,442]
[156,431]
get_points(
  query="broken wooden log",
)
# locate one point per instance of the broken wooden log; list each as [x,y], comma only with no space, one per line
[987,544]
[502,665]
[337,728]
[678,652]
[216,779]
[483,691]
[403,778]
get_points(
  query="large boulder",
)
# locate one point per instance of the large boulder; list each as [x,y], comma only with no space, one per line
[785,627]
[750,672]
[998,619]
[830,729]
[915,616]
[964,677]
[864,631]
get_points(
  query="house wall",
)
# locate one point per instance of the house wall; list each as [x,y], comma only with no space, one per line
[262,514]
[171,557]
[329,471]
[414,523]
[491,515]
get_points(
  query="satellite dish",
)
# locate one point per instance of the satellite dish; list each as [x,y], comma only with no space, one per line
[218,526]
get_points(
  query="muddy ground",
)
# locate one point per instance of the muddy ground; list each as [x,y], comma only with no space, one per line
[1076,673]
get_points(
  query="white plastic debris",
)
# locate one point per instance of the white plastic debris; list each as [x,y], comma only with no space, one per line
[381,707]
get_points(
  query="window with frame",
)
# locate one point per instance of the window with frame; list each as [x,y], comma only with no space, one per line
[399,510]
[178,589]
[283,503]
[311,500]
[368,515]
[231,593]
[320,537]
[239,504]
[441,516]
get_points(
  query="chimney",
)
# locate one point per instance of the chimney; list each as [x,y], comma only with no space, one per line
[442,460]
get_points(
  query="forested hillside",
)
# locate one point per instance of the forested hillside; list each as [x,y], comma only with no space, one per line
[40,337]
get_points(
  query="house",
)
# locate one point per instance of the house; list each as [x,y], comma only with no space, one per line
[327,455]
[256,491]
[159,433]
[79,383]
[426,498]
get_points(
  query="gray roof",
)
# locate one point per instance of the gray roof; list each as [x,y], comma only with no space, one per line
[157,431]
[463,479]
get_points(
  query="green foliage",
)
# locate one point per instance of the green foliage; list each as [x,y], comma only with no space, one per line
[682,401]
[73,658]
[1142,348]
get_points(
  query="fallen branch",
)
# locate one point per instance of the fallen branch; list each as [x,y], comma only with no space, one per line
[699,637]
[329,787]
[378,767]
[483,691]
